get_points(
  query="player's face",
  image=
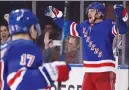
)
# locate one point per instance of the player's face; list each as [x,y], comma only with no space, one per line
[4,33]
[91,15]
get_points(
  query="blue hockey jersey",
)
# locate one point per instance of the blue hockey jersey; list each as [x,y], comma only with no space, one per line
[20,67]
[97,42]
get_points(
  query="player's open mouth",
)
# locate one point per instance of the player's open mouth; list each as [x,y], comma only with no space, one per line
[90,18]
[3,36]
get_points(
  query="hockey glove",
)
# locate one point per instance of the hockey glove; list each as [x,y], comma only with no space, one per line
[121,12]
[53,12]
[56,71]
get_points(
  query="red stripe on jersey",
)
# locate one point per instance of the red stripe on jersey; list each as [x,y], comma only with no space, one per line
[57,11]
[73,31]
[48,88]
[124,12]
[2,74]
[99,65]
[114,32]
[18,74]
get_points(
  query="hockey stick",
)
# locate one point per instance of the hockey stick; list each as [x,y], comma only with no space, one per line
[63,35]
[117,41]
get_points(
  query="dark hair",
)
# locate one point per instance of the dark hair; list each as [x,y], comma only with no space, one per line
[4,25]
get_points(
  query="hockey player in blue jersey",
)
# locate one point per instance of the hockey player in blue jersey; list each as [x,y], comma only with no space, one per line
[22,65]
[97,36]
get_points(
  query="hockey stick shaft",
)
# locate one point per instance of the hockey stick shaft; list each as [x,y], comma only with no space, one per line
[63,36]
[118,39]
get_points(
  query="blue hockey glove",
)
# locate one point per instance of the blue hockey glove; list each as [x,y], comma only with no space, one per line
[121,12]
[53,12]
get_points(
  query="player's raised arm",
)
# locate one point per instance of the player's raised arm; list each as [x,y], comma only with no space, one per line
[120,27]
[57,16]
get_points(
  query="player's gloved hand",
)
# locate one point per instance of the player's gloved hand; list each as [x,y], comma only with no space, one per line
[121,12]
[56,71]
[53,12]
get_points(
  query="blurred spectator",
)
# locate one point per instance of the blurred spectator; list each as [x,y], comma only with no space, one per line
[48,27]
[46,41]
[72,50]
[51,46]
[4,36]
[51,52]
[47,48]
[54,35]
